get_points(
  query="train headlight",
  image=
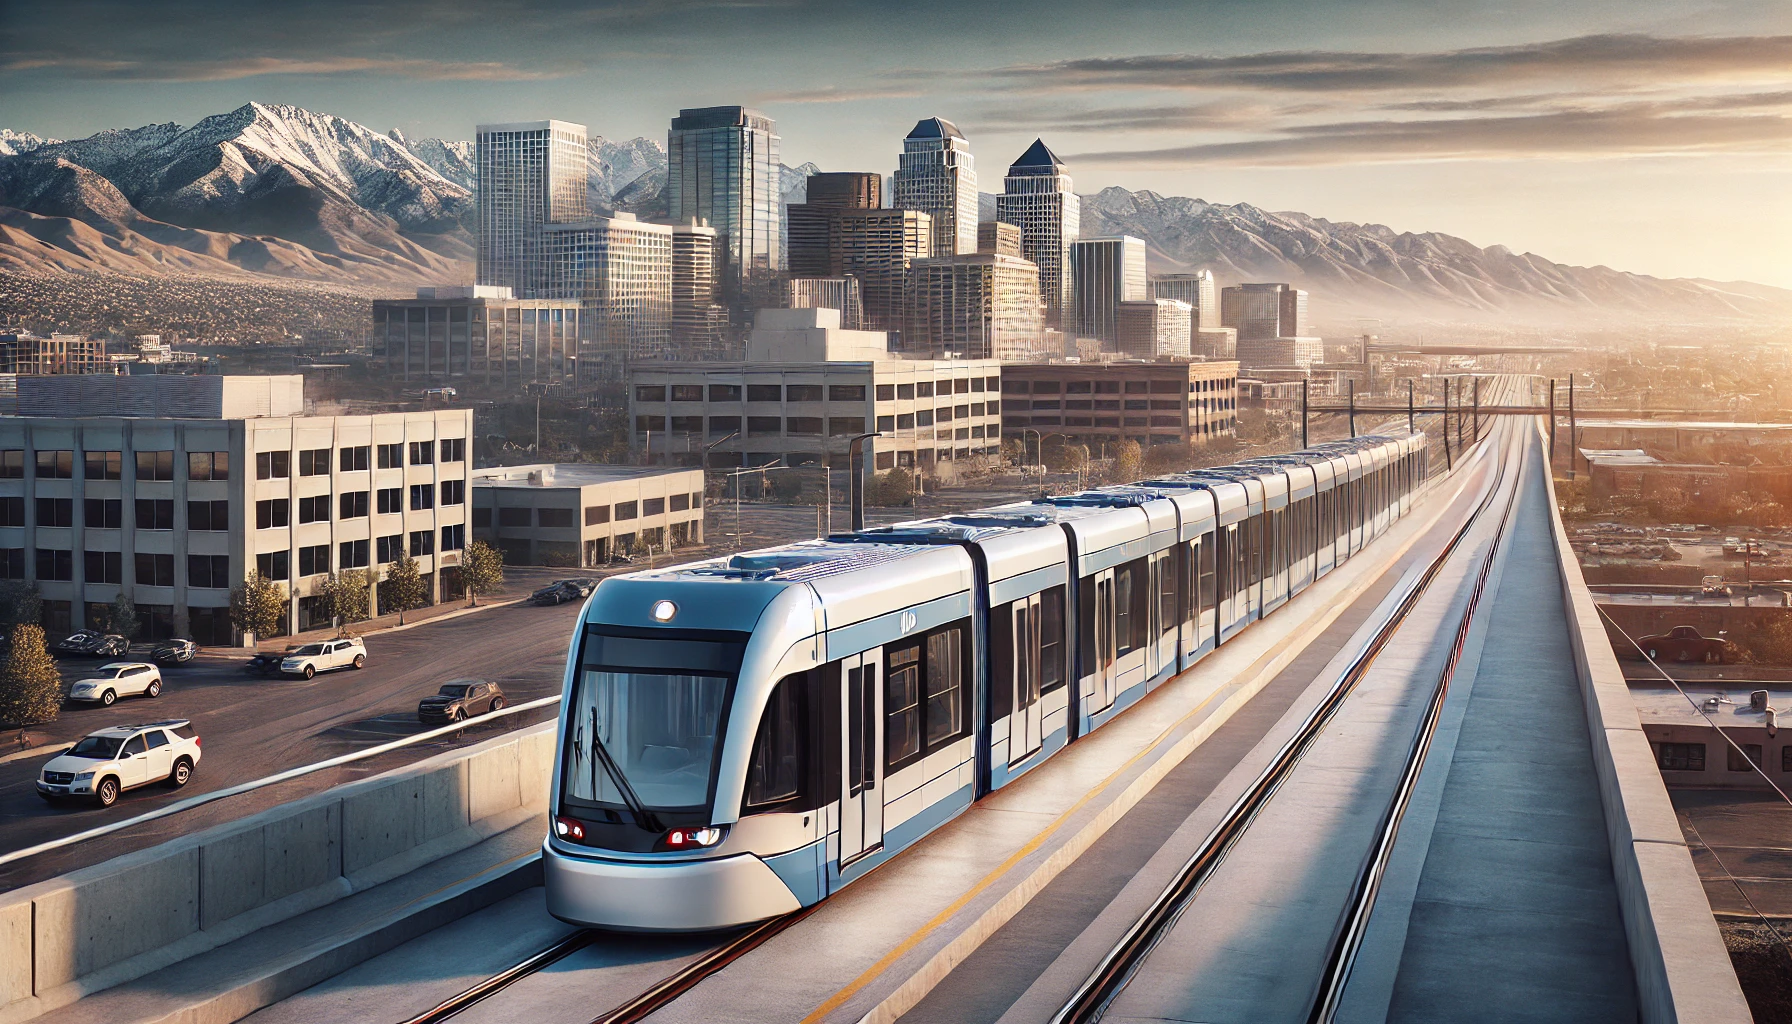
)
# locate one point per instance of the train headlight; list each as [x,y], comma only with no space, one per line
[693,838]
[664,610]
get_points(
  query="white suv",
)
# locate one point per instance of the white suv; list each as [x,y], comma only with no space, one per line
[118,679]
[311,659]
[110,761]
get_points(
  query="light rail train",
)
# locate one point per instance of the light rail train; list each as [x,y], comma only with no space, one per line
[744,736]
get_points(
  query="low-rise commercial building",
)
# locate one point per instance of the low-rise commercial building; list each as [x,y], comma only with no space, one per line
[168,489]
[1154,327]
[1161,402]
[478,333]
[805,389]
[586,515]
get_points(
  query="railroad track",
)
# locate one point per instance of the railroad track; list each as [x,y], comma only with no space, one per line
[1122,961]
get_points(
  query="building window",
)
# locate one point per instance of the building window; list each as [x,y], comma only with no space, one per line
[764,426]
[482,518]
[924,418]
[12,563]
[722,426]
[1680,757]
[422,543]
[422,453]
[886,392]
[351,554]
[905,391]
[454,492]
[155,465]
[924,389]
[724,392]
[208,571]
[765,392]
[55,465]
[155,570]
[12,511]
[314,560]
[687,392]
[352,505]
[904,421]
[314,509]
[213,516]
[391,456]
[845,426]
[556,518]
[597,515]
[12,465]
[61,512]
[273,565]
[515,518]
[625,510]
[103,567]
[454,538]
[454,449]
[273,465]
[105,465]
[681,502]
[422,496]
[802,392]
[687,424]
[314,462]
[206,466]
[653,507]
[388,549]
[846,392]
[803,426]
[650,392]
[697,500]
[648,424]
[886,423]
[56,564]
[1740,763]
[271,514]
[153,514]
[390,499]
[351,459]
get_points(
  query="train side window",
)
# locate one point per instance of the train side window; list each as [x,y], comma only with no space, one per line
[1166,593]
[775,773]
[1001,648]
[945,686]
[1205,573]
[1132,607]
[1051,639]
[902,705]
[1085,621]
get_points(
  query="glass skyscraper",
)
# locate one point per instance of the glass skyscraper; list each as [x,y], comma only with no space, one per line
[1038,198]
[722,167]
[1104,273]
[935,175]
[528,174]
[620,269]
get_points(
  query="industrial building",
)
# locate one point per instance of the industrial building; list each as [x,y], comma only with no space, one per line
[1167,401]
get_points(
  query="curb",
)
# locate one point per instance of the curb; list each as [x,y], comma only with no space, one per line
[48,749]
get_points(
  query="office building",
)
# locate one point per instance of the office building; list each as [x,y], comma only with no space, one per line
[1169,401]
[699,320]
[586,515]
[168,488]
[841,293]
[29,354]
[620,270]
[1153,328]
[1298,353]
[528,174]
[722,167]
[1215,343]
[935,175]
[811,224]
[1037,195]
[805,389]
[1104,273]
[975,306]
[1270,320]
[1198,290]
[1001,238]
[877,247]
[478,333]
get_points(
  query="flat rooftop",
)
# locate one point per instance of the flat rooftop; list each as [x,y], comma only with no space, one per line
[1663,705]
[570,474]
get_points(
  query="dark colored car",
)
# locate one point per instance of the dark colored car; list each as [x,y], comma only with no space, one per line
[559,592]
[90,644]
[267,663]
[460,700]
[1683,644]
[584,584]
[174,652]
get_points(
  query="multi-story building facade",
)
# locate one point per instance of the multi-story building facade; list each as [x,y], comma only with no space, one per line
[1167,401]
[976,306]
[1270,320]
[478,333]
[936,175]
[1001,238]
[585,515]
[810,224]
[1038,196]
[168,489]
[620,270]
[805,389]
[877,247]
[841,293]
[1198,290]
[699,320]
[59,353]
[1104,273]
[1153,328]
[722,167]
[528,174]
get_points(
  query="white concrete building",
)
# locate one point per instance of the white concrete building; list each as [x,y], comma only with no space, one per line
[586,515]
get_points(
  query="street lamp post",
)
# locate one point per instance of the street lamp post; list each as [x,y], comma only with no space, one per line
[855,466]
[1038,447]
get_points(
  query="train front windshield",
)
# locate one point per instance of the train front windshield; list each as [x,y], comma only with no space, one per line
[644,725]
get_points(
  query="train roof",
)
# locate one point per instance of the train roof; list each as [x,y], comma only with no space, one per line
[1012,541]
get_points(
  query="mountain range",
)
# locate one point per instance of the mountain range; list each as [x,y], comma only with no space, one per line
[273,191]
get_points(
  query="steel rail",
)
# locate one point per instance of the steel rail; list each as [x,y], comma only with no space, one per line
[504,979]
[1117,967]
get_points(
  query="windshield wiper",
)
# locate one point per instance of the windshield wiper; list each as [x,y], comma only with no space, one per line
[644,818]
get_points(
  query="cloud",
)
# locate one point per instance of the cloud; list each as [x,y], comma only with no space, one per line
[229,69]
[835,94]
[1633,58]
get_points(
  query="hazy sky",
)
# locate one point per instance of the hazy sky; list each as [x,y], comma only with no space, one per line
[1648,135]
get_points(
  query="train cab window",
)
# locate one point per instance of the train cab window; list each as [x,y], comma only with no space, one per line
[775,772]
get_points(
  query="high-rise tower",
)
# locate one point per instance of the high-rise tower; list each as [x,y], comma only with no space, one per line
[935,175]
[1038,198]
[529,174]
[1105,272]
[722,166]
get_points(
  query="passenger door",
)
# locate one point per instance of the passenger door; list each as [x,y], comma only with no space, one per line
[160,756]
[133,762]
[862,755]
[1023,723]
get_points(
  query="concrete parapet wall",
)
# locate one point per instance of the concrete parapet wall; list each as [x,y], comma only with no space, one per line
[101,926]
[1683,971]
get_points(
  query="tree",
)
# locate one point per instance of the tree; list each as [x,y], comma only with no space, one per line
[19,603]
[481,570]
[345,595]
[1129,463]
[121,617]
[30,685]
[1060,456]
[257,605]
[404,588]
[897,487]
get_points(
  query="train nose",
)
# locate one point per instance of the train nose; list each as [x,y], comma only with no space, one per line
[679,896]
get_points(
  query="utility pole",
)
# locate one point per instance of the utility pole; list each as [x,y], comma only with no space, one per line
[1477,398]
[1446,430]
[1552,424]
[538,429]
[1571,426]
[1353,407]
[1411,427]
[1303,413]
